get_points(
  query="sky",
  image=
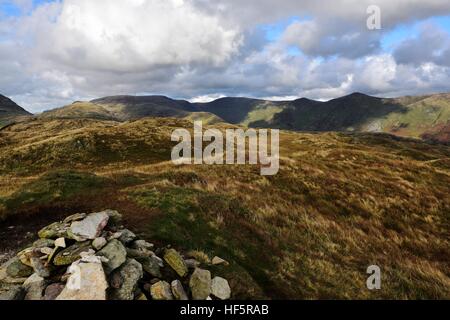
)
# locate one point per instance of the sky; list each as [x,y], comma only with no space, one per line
[55,52]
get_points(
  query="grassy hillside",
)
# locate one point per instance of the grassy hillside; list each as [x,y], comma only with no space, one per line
[124,108]
[340,203]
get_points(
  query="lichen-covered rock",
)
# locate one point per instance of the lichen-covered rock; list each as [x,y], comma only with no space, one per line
[176,262]
[151,266]
[90,227]
[87,282]
[17,269]
[220,288]
[200,284]
[178,290]
[116,254]
[161,291]
[43,243]
[71,254]
[130,273]
[53,231]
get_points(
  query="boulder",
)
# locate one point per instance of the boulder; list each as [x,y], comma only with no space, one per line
[90,227]
[34,287]
[176,262]
[178,290]
[161,291]
[200,284]
[86,282]
[151,266]
[130,273]
[17,269]
[116,254]
[220,288]
[53,291]
[71,254]
[99,243]
[53,231]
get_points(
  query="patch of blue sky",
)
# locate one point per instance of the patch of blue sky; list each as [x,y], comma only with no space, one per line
[275,30]
[405,31]
[11,8]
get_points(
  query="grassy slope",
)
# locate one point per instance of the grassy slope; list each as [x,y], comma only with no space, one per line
[340,203]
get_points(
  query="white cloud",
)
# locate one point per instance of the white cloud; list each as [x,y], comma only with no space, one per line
[202,49]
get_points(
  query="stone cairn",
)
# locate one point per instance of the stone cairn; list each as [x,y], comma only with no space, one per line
[93,257]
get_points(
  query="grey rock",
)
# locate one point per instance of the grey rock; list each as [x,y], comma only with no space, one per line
[34,287]
[130,273]
[99,243]
[87,282]
[39,268]
[17,269]
[90,227]
[53,291]
[220,288]
[176,262]
[151,266]
[127,236]
[178,290]
[14,293]
[116,254]
[161,291]
[200,284]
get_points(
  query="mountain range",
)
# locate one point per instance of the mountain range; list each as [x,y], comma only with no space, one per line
[418,117]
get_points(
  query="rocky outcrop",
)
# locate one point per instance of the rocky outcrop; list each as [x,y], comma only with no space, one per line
[93,257]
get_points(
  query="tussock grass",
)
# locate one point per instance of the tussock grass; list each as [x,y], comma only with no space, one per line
[340,203]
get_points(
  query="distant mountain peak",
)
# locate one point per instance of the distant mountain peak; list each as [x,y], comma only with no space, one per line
[10,108]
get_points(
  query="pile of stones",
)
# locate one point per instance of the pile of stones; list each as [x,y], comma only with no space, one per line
[93,257]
